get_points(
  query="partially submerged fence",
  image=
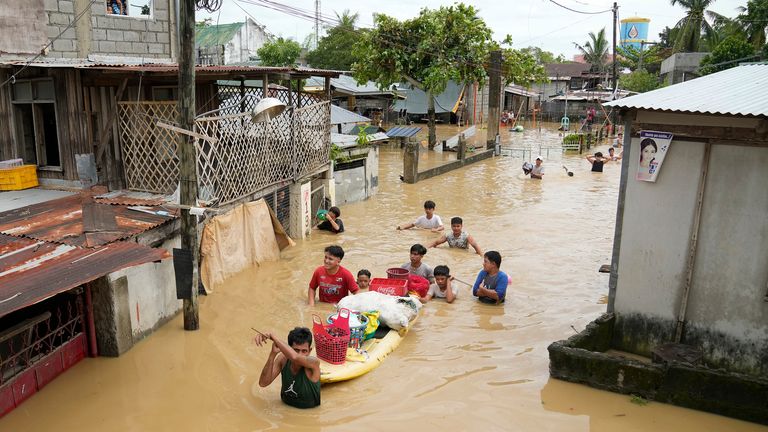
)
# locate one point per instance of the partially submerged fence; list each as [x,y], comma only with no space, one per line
[240,158]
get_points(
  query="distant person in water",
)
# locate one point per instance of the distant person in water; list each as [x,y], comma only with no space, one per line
[612,156]
[332,222]
[457,238]
[300,372]
[537,172]
[597,161]
[491,283]
[429,221]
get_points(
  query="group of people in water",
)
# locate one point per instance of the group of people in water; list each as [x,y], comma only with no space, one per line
[597,160]
[330,282]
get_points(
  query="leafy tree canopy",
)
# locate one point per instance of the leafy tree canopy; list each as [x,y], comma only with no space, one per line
[629,57]
[543,57]
[522,67]
[335,49]
[595,50]
[693,25]
[726,55]
[280,52]
[639,81]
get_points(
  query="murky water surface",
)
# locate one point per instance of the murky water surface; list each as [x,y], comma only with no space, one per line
[465,366]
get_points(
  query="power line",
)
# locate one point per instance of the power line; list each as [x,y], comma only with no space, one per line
[12,79]
[580,12]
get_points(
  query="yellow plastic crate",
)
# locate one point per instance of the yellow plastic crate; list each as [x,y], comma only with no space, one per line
[23,177]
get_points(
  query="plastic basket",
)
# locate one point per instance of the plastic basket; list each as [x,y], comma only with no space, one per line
[394,287]
[331,340]
[397,273]
[356,333]
[18,178]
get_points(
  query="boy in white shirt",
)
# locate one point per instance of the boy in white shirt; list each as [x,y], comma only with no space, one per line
[429,221]
[442,288]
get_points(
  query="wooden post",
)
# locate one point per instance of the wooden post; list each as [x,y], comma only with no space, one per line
[265,86]
[186,152]
[432,135]
[411,162]
[462,148]
[242,94]
[327,89]
[290,92]
[494,98]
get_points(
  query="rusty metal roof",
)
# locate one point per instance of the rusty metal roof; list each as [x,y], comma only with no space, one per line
[62,221]
[33,270]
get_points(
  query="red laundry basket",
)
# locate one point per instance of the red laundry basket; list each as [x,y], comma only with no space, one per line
[397,273]
[418,284]
[331,340]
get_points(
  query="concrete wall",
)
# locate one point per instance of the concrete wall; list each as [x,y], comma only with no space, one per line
[96,33]
[726,315]
[681,67]
[131,303]
[246,42]
[22,27]
[359,183]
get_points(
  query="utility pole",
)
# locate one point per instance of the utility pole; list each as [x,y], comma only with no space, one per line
[494,98]
[615,76]
[186,154]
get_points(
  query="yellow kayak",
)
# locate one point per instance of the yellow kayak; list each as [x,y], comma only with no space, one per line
[369,357]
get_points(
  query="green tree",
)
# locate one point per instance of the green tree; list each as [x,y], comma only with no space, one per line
[521,67]
[639,81]
[692,25]
[543,57]
[595,51]
[335,48]
[280,52]
[630,57]
[726,55]
[439,45]
[754,21]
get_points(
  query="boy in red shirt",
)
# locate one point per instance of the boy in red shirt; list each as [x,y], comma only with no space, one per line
[335,282]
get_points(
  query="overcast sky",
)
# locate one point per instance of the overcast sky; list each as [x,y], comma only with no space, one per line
[530,22]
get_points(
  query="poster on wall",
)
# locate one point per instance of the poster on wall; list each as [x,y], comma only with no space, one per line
[653,147]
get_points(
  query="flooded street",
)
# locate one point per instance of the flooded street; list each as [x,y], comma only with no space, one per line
[464,366]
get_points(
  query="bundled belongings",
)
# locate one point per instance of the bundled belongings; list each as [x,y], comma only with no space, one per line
[394,312]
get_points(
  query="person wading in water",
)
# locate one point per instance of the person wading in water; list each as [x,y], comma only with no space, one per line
[300,372]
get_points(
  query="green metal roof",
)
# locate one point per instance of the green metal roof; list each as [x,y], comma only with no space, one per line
[215,35]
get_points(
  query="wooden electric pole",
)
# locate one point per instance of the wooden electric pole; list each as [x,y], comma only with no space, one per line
[615,76]
[186,153]
[494,98]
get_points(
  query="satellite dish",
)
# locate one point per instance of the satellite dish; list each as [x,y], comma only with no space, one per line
[267,109]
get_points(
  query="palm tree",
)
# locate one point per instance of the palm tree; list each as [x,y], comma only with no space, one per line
[693,25]
[754,21]
[595,50]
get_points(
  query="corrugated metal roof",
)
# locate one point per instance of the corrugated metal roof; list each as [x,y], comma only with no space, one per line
[33,270]
[216,35]
[347,141]
[520,90]
[341,116]
[416,100]
[742,90]
[403,131]
[61,221]
[346,84]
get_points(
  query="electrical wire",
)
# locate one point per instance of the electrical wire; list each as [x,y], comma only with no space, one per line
[580,12]
[12,79]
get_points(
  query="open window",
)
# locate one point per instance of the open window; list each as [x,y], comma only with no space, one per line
[130,8]
[36,123]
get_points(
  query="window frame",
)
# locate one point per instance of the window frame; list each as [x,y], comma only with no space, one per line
[37,126]
[151,15]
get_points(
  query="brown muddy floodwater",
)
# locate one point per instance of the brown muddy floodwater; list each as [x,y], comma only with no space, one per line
[465,366]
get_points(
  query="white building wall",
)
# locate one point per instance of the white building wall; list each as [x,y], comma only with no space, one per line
[727,314]
[151,292]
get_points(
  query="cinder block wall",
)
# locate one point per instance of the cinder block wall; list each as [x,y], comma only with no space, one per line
[99,33]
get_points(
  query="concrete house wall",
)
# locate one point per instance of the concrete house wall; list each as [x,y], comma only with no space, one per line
[727,315]
[30,25]
[245,43]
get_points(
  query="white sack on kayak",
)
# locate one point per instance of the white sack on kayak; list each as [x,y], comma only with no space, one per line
[394,312]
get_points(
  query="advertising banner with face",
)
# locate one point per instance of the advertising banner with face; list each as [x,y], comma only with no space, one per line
[653,147]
